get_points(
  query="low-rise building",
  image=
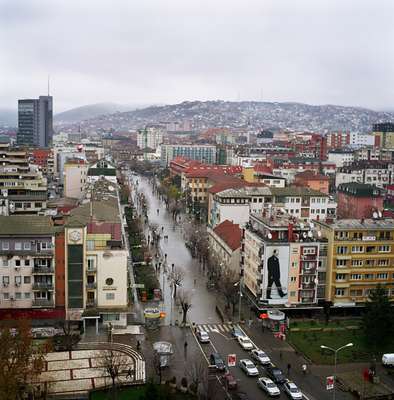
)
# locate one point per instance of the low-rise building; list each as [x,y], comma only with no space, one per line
[225,243]
[341,157]
[313,181]
[358,200]
[360,256]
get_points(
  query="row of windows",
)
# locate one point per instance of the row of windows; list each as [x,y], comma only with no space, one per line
[25,245]
[18,296]
[356,277]
[364,249]
[381,235]
[360,263]
[359,292]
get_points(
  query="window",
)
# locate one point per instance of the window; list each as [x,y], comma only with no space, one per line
[368,276]
[356,293]
[27,246]
[45,245]
[18,280]
[383,263]
[90,264]
[18,296]
[6,280]
[6,296]
[38,205]
[17,263]
[18,246]
[356,277]
[340,277]
[5,262]
[27,263]
[342,250]
[293,279]
[309,250]
[5,246]
[110,296]
[27,279]
[339,292]
[370,249]
[383,275]
[27,295]
[90,244]
[384,249]
[357,249]
[341,263]
[357,263]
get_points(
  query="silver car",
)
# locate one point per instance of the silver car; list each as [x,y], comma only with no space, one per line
[248,367]
[292,390]
[268,386]
[260,356]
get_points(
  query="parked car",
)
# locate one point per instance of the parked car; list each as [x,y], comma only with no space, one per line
[268,386]
[260,356]
[275,374]
[292,390]
[202,336]
[236,332]
[388,360]
[245,342]
[230,381]
[248,367]
[217,361]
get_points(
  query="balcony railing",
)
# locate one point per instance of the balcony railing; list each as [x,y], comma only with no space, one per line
[42,303]
[91,303]
[40,269]
[91,285]
[42,286]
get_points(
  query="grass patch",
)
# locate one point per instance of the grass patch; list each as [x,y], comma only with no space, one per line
[309,344]
[311,324]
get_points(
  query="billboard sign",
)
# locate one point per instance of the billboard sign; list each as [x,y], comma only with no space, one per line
[231,360]
[276,273]
[330,382]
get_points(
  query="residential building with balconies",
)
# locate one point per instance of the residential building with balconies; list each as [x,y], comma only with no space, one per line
[360,256]
[27,263]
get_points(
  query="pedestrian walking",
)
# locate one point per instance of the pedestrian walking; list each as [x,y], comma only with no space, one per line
[165,255]
[185,345]
[288,369]
[138,345]
[157,211]
[195,281]
[172,267]
[304,369]
[280,355]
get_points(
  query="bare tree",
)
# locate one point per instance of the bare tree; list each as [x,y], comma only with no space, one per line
[185,303]
[176,278]
[114,364]
[197,374]
[229,289]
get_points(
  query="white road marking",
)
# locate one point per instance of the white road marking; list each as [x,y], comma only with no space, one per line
[226,328]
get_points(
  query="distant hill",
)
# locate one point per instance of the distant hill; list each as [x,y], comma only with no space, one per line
[8,117]
[249,114]
[89,111]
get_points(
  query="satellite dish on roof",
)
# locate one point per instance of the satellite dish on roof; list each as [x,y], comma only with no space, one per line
[375,215]
[319,233]
[269,236]
[111,188]
[301,225]
[380,214]
[312,225]
[304,235]
[310,234]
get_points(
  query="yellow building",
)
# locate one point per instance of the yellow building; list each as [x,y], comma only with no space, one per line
[360,256]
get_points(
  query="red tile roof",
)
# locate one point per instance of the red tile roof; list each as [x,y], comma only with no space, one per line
[230,233]
[310,175]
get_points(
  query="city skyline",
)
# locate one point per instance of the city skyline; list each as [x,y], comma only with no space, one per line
[156,53]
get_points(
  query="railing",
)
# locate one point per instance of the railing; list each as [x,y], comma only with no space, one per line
[40,269]
[42,286]
[91,285]
[42,303]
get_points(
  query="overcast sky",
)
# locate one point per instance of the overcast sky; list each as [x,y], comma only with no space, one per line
[168,51]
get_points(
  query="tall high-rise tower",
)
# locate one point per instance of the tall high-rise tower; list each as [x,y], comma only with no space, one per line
[35,122]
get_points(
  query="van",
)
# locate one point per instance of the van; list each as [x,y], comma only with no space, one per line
[388,360]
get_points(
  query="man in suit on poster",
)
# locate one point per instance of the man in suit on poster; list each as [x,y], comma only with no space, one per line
[274,275]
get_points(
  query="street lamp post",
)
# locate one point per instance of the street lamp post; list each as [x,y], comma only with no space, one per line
[240,298]
[335,363]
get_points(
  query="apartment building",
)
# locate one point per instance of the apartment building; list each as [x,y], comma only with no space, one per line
[75,178]
[23,188]
[199,152]
[27,270]
[283,261]
[360,256]
[151,137]
[96,260]
[341,158]
[102,169]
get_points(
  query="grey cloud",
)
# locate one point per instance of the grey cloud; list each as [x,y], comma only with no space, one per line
[325,51]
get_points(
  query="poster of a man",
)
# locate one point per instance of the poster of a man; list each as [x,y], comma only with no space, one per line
[276,274]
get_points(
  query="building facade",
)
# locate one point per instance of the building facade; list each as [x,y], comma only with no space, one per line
[203,153]
[151,137]
[35,122]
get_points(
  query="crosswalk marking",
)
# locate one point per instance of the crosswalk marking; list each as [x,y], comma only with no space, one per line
[222,328]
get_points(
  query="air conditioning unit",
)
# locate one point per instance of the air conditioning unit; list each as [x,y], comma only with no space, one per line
[17,284]
[5,284]
[12,298]
[17,268]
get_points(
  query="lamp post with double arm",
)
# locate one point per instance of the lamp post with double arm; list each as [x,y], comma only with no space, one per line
[335,351]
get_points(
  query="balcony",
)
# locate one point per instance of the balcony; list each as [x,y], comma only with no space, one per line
[42,286]
[91,303]
[91,285]
[42,303]
[91,270]
[41,269]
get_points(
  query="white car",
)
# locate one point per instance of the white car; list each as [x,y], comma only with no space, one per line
[268,386]
[245,342]
[292,390]
[202,336]
[261,357]
[248,367]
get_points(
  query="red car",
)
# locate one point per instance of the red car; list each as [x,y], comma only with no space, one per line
[230,381]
